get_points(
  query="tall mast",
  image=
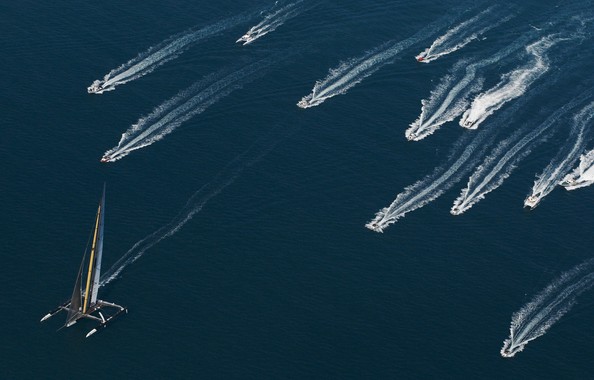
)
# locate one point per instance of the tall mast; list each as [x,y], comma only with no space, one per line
[92,259]
[90,307]
[99,251]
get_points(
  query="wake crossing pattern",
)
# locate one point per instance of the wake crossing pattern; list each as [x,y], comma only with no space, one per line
[511,86]
[503,160]
[582,175]
[565,159]
[452,95]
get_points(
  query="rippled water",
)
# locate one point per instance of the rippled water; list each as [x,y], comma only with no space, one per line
[275,275]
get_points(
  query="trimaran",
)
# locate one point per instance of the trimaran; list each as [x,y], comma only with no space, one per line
[84,302]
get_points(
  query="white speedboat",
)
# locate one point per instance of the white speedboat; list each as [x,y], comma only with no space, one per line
[532,201]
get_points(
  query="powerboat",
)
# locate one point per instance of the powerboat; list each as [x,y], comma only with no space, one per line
[532,201]
[575,183]
[95,88]
[568,181]
[105,159]
[411,136]
[468,123]
[374,226]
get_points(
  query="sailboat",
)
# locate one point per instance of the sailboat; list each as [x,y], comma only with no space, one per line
[84,302]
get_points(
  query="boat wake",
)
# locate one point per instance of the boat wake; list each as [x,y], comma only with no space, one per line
[543,311]
[196,99]
[465,156]
[350,73]
[447,101]
[581,176]
[197,201]
[565,159]
[511,86]
[463,34]
[157,55]
[272,21]
[499,165]
[452,95]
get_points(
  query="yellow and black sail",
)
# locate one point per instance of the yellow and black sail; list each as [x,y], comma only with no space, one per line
[84,302]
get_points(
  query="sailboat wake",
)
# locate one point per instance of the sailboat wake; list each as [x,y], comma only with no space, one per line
[272,21]
[196,99]
[543,311]
[565,159]
[159,54]
[462,34]
[511,86]
[200,198]
[350,73]
[465,155]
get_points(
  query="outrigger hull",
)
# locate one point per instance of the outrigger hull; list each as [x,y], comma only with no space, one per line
[107,321]
[84,302]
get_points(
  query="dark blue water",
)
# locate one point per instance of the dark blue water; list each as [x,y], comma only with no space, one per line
[275,276]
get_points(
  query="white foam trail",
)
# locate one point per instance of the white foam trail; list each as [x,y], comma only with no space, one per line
[461,35]
[447,101]
[465,156]
[537,316]
[451,96]
[499,165]
[272,21]
[157,55]
[511,86]
[582,175]
[350,73]
[565,159]
[197,201]
[196,99]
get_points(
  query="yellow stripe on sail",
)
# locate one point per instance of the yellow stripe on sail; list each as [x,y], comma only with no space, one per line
[91,261]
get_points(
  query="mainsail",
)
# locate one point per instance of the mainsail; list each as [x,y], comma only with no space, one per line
[84,302]
[94,269]
[99,248]
[76,300]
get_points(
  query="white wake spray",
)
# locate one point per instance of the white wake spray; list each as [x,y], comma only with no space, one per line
[537,316]
[565,159]
[446,102]
[452,95]
[511,86]
[197,201]
[582,175]
[462,34]
[196,99]
[499,165]
[272,21]
[159,54]
[466,153]
[350,73]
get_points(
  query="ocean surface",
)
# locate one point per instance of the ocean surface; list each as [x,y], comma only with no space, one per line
[254,260]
